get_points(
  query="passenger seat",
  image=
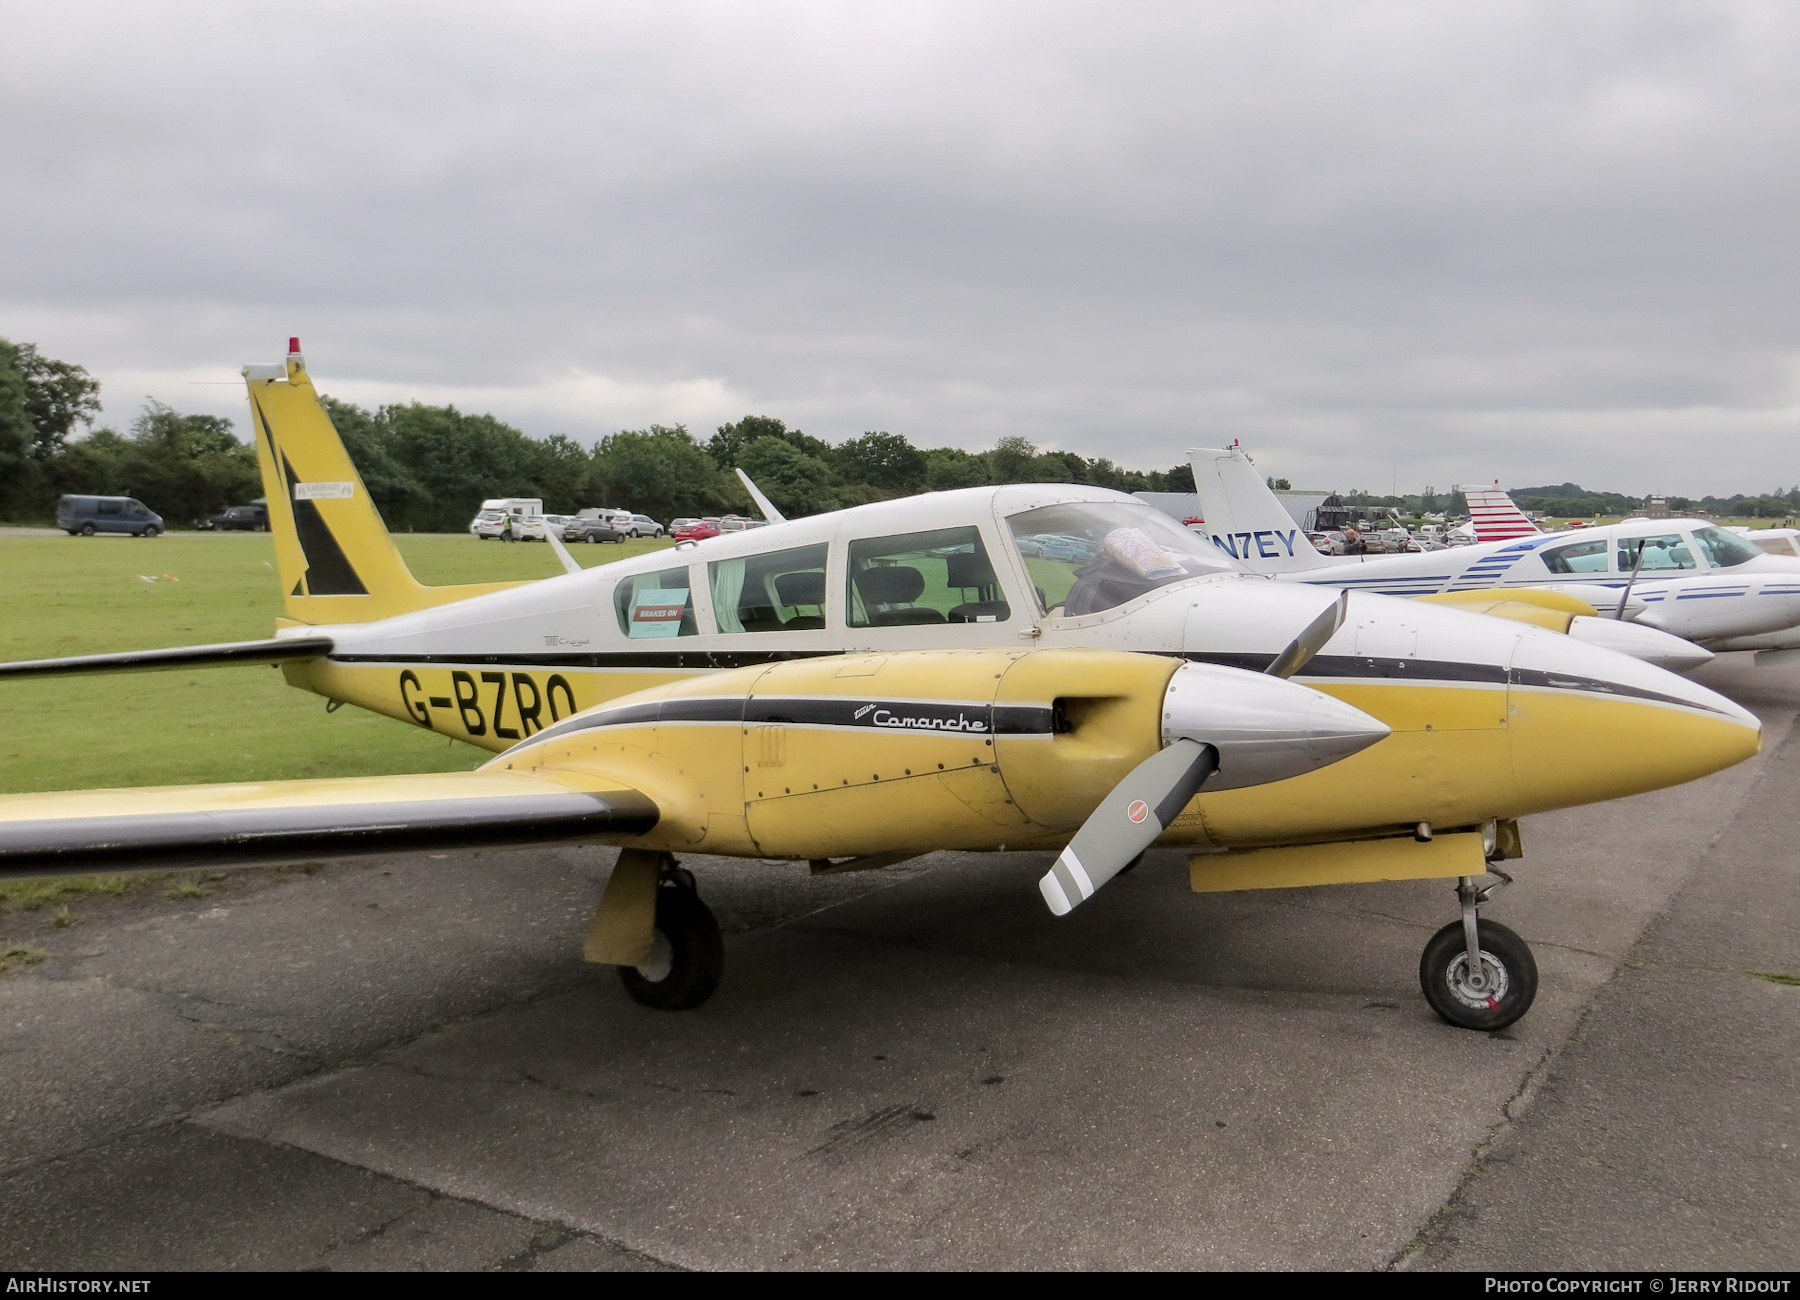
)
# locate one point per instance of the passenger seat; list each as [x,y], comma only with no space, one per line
[965,570]
[888,594]
[795,589]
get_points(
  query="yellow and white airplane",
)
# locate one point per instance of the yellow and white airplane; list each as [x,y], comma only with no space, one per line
[1043,667]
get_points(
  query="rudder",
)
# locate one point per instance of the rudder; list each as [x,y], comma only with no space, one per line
[335,558]
[1243,517]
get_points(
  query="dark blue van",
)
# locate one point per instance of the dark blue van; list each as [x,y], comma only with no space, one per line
[85,516]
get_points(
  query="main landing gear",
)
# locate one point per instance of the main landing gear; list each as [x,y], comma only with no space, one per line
[687,955]
[1478,974]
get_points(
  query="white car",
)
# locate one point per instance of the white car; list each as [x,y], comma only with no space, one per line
[534,527]
[488,524]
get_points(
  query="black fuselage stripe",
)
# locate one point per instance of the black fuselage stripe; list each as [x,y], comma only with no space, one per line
[673,659]
[853,711]
[1339,667]
[1422,671]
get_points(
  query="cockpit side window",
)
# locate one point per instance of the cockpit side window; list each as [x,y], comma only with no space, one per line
[1661,554]
[655,605]
[780,591]
[941,576]
[1581,557]
[1723,549]
[1088,556]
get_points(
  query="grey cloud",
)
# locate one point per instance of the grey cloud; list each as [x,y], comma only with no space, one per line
[1538,241]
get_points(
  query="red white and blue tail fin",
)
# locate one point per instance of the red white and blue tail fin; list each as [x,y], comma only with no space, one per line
[1494,516]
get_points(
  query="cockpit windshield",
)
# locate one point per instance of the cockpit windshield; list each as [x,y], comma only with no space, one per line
[1724,549]
[1086,556]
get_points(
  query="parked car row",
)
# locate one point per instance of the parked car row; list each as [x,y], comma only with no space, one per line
[522,519]
[698,530]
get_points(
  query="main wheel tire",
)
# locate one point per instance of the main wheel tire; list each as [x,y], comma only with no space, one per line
[687,957]
[1511,971]
[87,530]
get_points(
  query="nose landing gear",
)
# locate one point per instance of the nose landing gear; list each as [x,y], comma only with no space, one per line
[1478,974]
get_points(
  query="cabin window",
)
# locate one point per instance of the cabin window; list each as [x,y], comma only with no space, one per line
[656,605]
[1782,544]
[1088,556]
[1661,554]
[783,591]
[110,507]
[1723,549]
[941,576]
[1582,557]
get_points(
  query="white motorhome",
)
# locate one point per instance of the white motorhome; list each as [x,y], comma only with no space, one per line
[492,517]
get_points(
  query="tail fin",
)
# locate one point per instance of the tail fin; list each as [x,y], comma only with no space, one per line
[1243,517]
[1494,516]
[336,560]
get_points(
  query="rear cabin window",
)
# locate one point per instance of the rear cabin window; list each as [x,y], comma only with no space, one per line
[1777,545]
[652,606]
[109,507]
[779,592]
[910,579]
[1582,557]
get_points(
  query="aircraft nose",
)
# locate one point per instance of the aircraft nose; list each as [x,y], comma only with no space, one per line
[1265,728]
[1589,724]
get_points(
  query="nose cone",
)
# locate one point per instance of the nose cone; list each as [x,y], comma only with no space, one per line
[1264,728]
[1646,644]
[1589,724]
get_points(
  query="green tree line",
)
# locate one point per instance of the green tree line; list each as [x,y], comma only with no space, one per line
[429,467]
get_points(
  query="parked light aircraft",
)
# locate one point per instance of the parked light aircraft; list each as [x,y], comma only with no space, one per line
[1686,577]
[1044,667]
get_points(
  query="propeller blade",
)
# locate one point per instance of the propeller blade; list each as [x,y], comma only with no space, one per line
[1312,639]
[1127,822]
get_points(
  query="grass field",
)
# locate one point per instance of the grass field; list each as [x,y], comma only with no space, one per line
[66,596]
[1553,525]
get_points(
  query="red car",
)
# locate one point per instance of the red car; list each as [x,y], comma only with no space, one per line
[697,531]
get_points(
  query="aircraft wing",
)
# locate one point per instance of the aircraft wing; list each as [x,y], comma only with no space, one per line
[1535,605]
[273,651]
[251,823]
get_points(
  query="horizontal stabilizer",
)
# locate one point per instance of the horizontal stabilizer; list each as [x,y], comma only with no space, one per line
[274,651]
[286,821]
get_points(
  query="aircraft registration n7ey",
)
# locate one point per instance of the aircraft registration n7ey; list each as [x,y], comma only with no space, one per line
[1039,667]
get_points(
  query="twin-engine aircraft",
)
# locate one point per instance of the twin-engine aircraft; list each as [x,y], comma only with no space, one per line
[1042,667]
[1701,584]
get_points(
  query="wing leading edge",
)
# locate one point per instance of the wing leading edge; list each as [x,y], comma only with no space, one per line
[284,821]
[273,651]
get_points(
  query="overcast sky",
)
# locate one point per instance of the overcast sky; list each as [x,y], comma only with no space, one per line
[1426,243]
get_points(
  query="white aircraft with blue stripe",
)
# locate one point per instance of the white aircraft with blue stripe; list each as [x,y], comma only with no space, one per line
[1686,577]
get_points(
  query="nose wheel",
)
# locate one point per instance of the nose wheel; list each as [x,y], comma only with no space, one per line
[1478,974]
